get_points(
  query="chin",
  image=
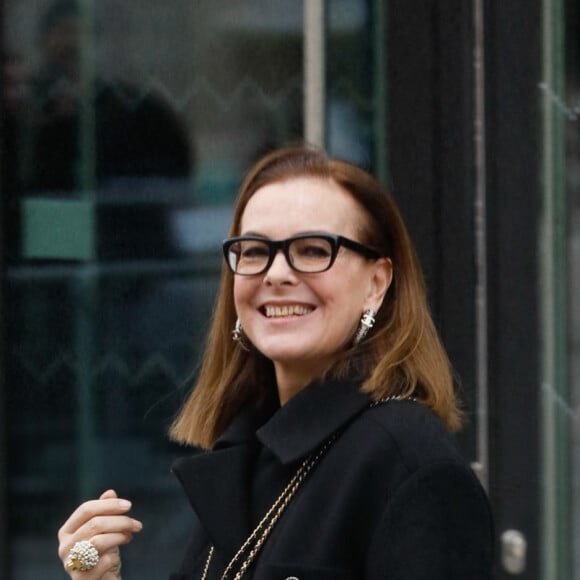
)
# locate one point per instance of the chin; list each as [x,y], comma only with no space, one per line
[278,354]
[283,356]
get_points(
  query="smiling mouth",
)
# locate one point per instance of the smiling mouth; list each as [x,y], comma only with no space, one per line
[285,311]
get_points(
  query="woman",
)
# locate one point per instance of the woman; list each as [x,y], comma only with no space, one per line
[328,414]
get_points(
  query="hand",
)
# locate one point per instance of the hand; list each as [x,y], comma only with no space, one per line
[105,524]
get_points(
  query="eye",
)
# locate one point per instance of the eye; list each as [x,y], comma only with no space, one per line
[253,250]
[312,248]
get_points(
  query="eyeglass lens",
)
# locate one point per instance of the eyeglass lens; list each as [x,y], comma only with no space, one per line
[311,254]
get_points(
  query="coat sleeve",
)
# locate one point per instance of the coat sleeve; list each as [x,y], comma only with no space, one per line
[436,526]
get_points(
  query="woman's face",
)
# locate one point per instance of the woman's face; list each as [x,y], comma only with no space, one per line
[302,321]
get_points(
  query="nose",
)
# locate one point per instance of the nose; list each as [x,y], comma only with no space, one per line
[279,270]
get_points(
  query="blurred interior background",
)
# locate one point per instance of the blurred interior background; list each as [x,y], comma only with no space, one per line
[126,128]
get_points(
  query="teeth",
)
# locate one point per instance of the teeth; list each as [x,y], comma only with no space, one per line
[281,311]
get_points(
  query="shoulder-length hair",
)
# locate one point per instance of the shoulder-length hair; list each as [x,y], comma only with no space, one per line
[402,355]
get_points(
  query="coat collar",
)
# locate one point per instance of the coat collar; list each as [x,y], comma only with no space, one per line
[304,423]
[219,483]
[309,418]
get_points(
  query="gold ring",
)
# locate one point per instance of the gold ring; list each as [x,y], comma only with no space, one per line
[83,556]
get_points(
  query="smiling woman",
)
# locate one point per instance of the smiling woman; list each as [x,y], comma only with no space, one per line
[292,192]
[328,414]
[302,348]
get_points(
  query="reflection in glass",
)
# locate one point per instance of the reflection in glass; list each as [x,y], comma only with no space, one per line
[127,127]
[572,81]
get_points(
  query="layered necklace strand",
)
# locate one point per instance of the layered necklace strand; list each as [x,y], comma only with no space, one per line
[262,531]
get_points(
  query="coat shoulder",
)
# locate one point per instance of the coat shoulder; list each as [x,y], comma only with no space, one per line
[414,433]
[435,501]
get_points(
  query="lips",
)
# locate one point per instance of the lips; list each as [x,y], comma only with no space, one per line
[286,310]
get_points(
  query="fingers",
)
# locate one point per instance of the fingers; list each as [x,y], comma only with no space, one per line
[106,524]
[94,508]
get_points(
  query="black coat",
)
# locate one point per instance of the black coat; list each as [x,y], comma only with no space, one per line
[392,498]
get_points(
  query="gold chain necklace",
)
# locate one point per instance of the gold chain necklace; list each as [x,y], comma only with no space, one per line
[262,531]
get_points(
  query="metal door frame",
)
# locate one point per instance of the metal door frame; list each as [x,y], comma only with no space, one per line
[459,89]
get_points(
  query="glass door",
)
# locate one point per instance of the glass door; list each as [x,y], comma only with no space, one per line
[560,251]
[127,127]
[572,268]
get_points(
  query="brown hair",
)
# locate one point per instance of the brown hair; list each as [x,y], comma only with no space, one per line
[402,355]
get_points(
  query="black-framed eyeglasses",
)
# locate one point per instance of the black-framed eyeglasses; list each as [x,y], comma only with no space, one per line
[306,253]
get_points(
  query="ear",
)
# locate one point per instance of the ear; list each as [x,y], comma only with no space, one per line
[381,276]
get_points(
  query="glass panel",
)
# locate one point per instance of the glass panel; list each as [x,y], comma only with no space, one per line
[129,125]
[572,72]
[127,129]
[560,247]
[355,95]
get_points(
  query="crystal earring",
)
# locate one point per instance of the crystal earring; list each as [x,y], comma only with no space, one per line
[367,321]
[238,336]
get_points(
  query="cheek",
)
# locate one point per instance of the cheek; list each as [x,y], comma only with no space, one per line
[347,295]
[244,290]
[347,285]
[238,294]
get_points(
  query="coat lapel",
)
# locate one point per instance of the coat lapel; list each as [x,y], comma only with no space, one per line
[218,487]
[219,483]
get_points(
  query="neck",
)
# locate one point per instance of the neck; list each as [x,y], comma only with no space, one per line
[289,382]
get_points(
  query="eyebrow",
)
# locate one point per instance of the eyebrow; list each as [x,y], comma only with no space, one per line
[253,233]
[311,232]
